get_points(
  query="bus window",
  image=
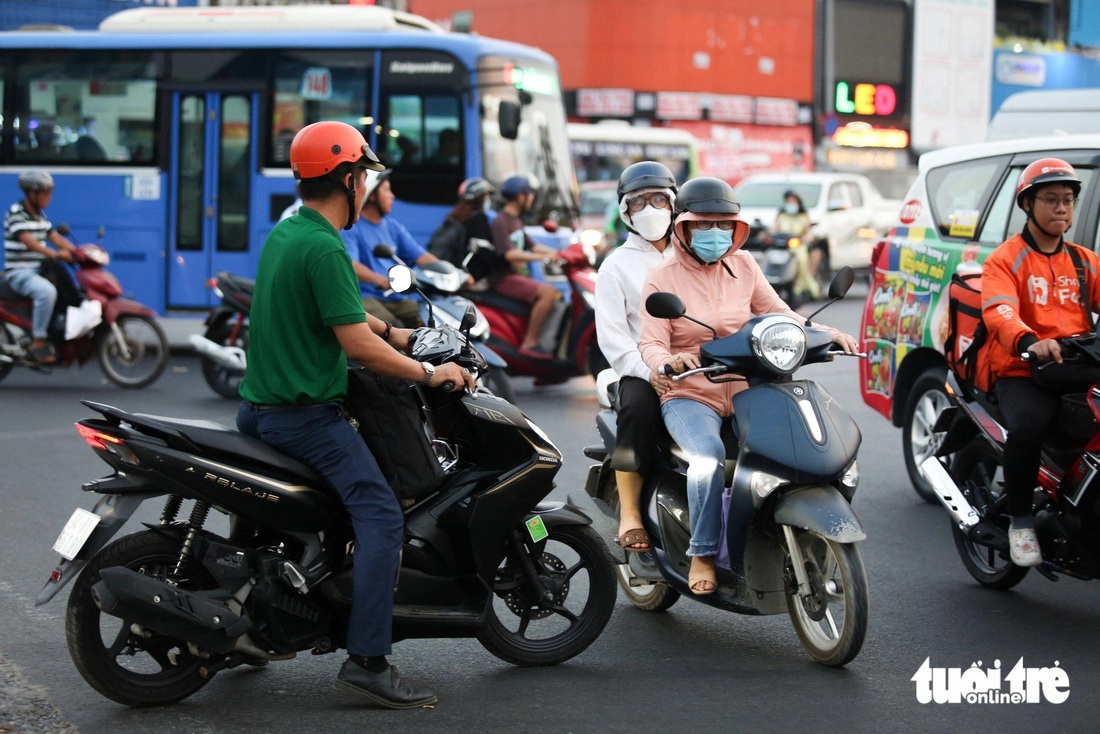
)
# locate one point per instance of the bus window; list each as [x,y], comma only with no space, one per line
[79,107]
[311,86]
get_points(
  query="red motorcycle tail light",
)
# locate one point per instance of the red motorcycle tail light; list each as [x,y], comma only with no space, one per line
[96,439]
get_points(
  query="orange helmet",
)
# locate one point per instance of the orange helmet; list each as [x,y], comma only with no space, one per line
[319,148]
[1046,171]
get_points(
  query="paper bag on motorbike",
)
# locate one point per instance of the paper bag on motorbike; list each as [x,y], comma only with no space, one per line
[82,319]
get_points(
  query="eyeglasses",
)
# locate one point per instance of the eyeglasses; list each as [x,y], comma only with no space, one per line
[1053,201]
[656,200]
[724,224]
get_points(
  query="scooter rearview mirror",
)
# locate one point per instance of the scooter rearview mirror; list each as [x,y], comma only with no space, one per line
[401,279]
[841,282]
[664,305]
[383,250]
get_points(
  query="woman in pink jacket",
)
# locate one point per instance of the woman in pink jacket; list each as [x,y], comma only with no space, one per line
[723,287]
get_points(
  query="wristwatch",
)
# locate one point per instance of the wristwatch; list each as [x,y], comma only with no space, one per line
[429,373]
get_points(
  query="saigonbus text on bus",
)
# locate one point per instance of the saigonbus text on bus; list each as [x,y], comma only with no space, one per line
[170,127]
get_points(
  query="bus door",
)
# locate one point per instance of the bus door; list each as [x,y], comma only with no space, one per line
[212,159]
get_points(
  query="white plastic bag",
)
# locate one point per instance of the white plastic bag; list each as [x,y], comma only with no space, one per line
[80,320]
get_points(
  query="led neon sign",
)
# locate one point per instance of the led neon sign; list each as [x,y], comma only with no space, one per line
[865,99]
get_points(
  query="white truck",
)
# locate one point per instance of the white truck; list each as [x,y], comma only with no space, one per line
[846,209]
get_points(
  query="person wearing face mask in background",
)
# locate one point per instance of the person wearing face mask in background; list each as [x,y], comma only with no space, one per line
[645,193]
[793,220]
[722,286]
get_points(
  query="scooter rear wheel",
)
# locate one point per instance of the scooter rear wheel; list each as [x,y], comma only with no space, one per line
[548,623]
[129,668]
[831,621]
[974,469]
[652,597]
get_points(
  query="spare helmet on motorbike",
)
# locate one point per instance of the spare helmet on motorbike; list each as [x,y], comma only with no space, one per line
[36,181]
[515,186]
[708,199]
[318,149]
[374,180]
[473,189]
[1043,172]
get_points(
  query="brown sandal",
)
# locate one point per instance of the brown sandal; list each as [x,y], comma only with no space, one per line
[632,539]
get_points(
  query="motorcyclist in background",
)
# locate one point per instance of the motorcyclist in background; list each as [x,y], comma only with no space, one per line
[1031,297]
[645,193]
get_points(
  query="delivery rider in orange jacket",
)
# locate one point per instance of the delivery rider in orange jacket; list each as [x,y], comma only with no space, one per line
[1031,297]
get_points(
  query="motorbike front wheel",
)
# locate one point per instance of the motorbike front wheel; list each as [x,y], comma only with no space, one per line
[831,621]
[549,622]
[223,380]
[8,346]
[135,669]
[974,469]
[133,352]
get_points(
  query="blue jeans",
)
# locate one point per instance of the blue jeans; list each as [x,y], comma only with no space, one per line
[29,284]
[322,438]
[696,428]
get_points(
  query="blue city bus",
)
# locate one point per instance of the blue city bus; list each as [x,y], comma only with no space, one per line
[170,128]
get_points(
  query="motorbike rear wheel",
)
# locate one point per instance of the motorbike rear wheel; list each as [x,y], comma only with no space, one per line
[130,668]
[222,380]
[838,588]
[652,597]
[974,469]
[927,400]
[7,344]
[141,358]
[526,628]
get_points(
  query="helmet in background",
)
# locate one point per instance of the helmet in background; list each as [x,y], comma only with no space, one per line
[473,189]
[515,186]
[36,181]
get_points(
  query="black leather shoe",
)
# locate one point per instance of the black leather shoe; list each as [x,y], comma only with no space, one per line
[385,688]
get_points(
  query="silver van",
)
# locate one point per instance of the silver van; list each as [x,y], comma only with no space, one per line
[1046,112]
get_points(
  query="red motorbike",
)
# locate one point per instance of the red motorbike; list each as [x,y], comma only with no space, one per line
[966,475]
[130,344]
[569,333]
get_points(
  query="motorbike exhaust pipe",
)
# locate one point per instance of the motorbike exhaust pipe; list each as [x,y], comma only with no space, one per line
[232,358]
[948,493]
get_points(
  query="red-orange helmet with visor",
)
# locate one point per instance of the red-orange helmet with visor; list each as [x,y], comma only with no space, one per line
[318,149]
[1046,171]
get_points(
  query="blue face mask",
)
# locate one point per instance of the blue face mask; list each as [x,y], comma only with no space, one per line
[711,244]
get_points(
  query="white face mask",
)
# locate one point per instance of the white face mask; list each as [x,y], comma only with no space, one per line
[652,224]
[790,208]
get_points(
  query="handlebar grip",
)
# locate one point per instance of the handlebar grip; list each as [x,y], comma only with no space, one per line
[1026,356]
[448,386]
[666,370]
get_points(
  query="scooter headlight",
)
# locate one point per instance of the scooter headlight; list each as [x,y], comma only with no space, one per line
[779,342]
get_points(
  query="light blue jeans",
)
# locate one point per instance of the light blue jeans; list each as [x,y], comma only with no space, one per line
[696,428]
[29,284]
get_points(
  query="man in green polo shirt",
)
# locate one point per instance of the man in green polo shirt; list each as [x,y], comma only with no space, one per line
[306,319]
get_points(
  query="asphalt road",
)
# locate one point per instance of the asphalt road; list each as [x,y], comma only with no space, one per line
[691,668]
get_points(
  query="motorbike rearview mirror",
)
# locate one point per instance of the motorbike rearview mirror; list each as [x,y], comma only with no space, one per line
[401,279]
[664,305]
[838,287]
[469,318]
[63,229]
[508,119]
[383,250]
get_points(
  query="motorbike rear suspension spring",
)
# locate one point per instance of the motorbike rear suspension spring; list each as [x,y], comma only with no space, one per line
[171,509]
[194,525]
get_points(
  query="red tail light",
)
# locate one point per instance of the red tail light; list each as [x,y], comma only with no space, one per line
[96,439]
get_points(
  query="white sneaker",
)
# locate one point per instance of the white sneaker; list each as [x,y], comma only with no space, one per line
[1023,547]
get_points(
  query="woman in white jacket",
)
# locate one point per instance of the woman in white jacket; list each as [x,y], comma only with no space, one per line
[646,193]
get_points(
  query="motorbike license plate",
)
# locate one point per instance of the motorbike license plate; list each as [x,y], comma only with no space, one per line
[75,533]
[778,257]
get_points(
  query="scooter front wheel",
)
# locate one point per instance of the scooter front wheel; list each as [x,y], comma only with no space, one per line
[8,346]
[831,619]
[553,598]
[133,351]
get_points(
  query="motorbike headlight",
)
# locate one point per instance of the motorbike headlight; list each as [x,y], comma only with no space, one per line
[779,342]
[449,282]
[851,475]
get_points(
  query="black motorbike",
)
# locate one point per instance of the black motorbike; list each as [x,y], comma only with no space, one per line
[154,615]
[224,345]
[791,473]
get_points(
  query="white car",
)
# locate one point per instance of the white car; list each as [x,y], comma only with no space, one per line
[845,208]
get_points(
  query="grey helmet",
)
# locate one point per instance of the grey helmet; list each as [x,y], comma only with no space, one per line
[36,181]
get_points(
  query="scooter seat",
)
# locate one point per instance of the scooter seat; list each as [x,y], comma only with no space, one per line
[495,300]
[216,439]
